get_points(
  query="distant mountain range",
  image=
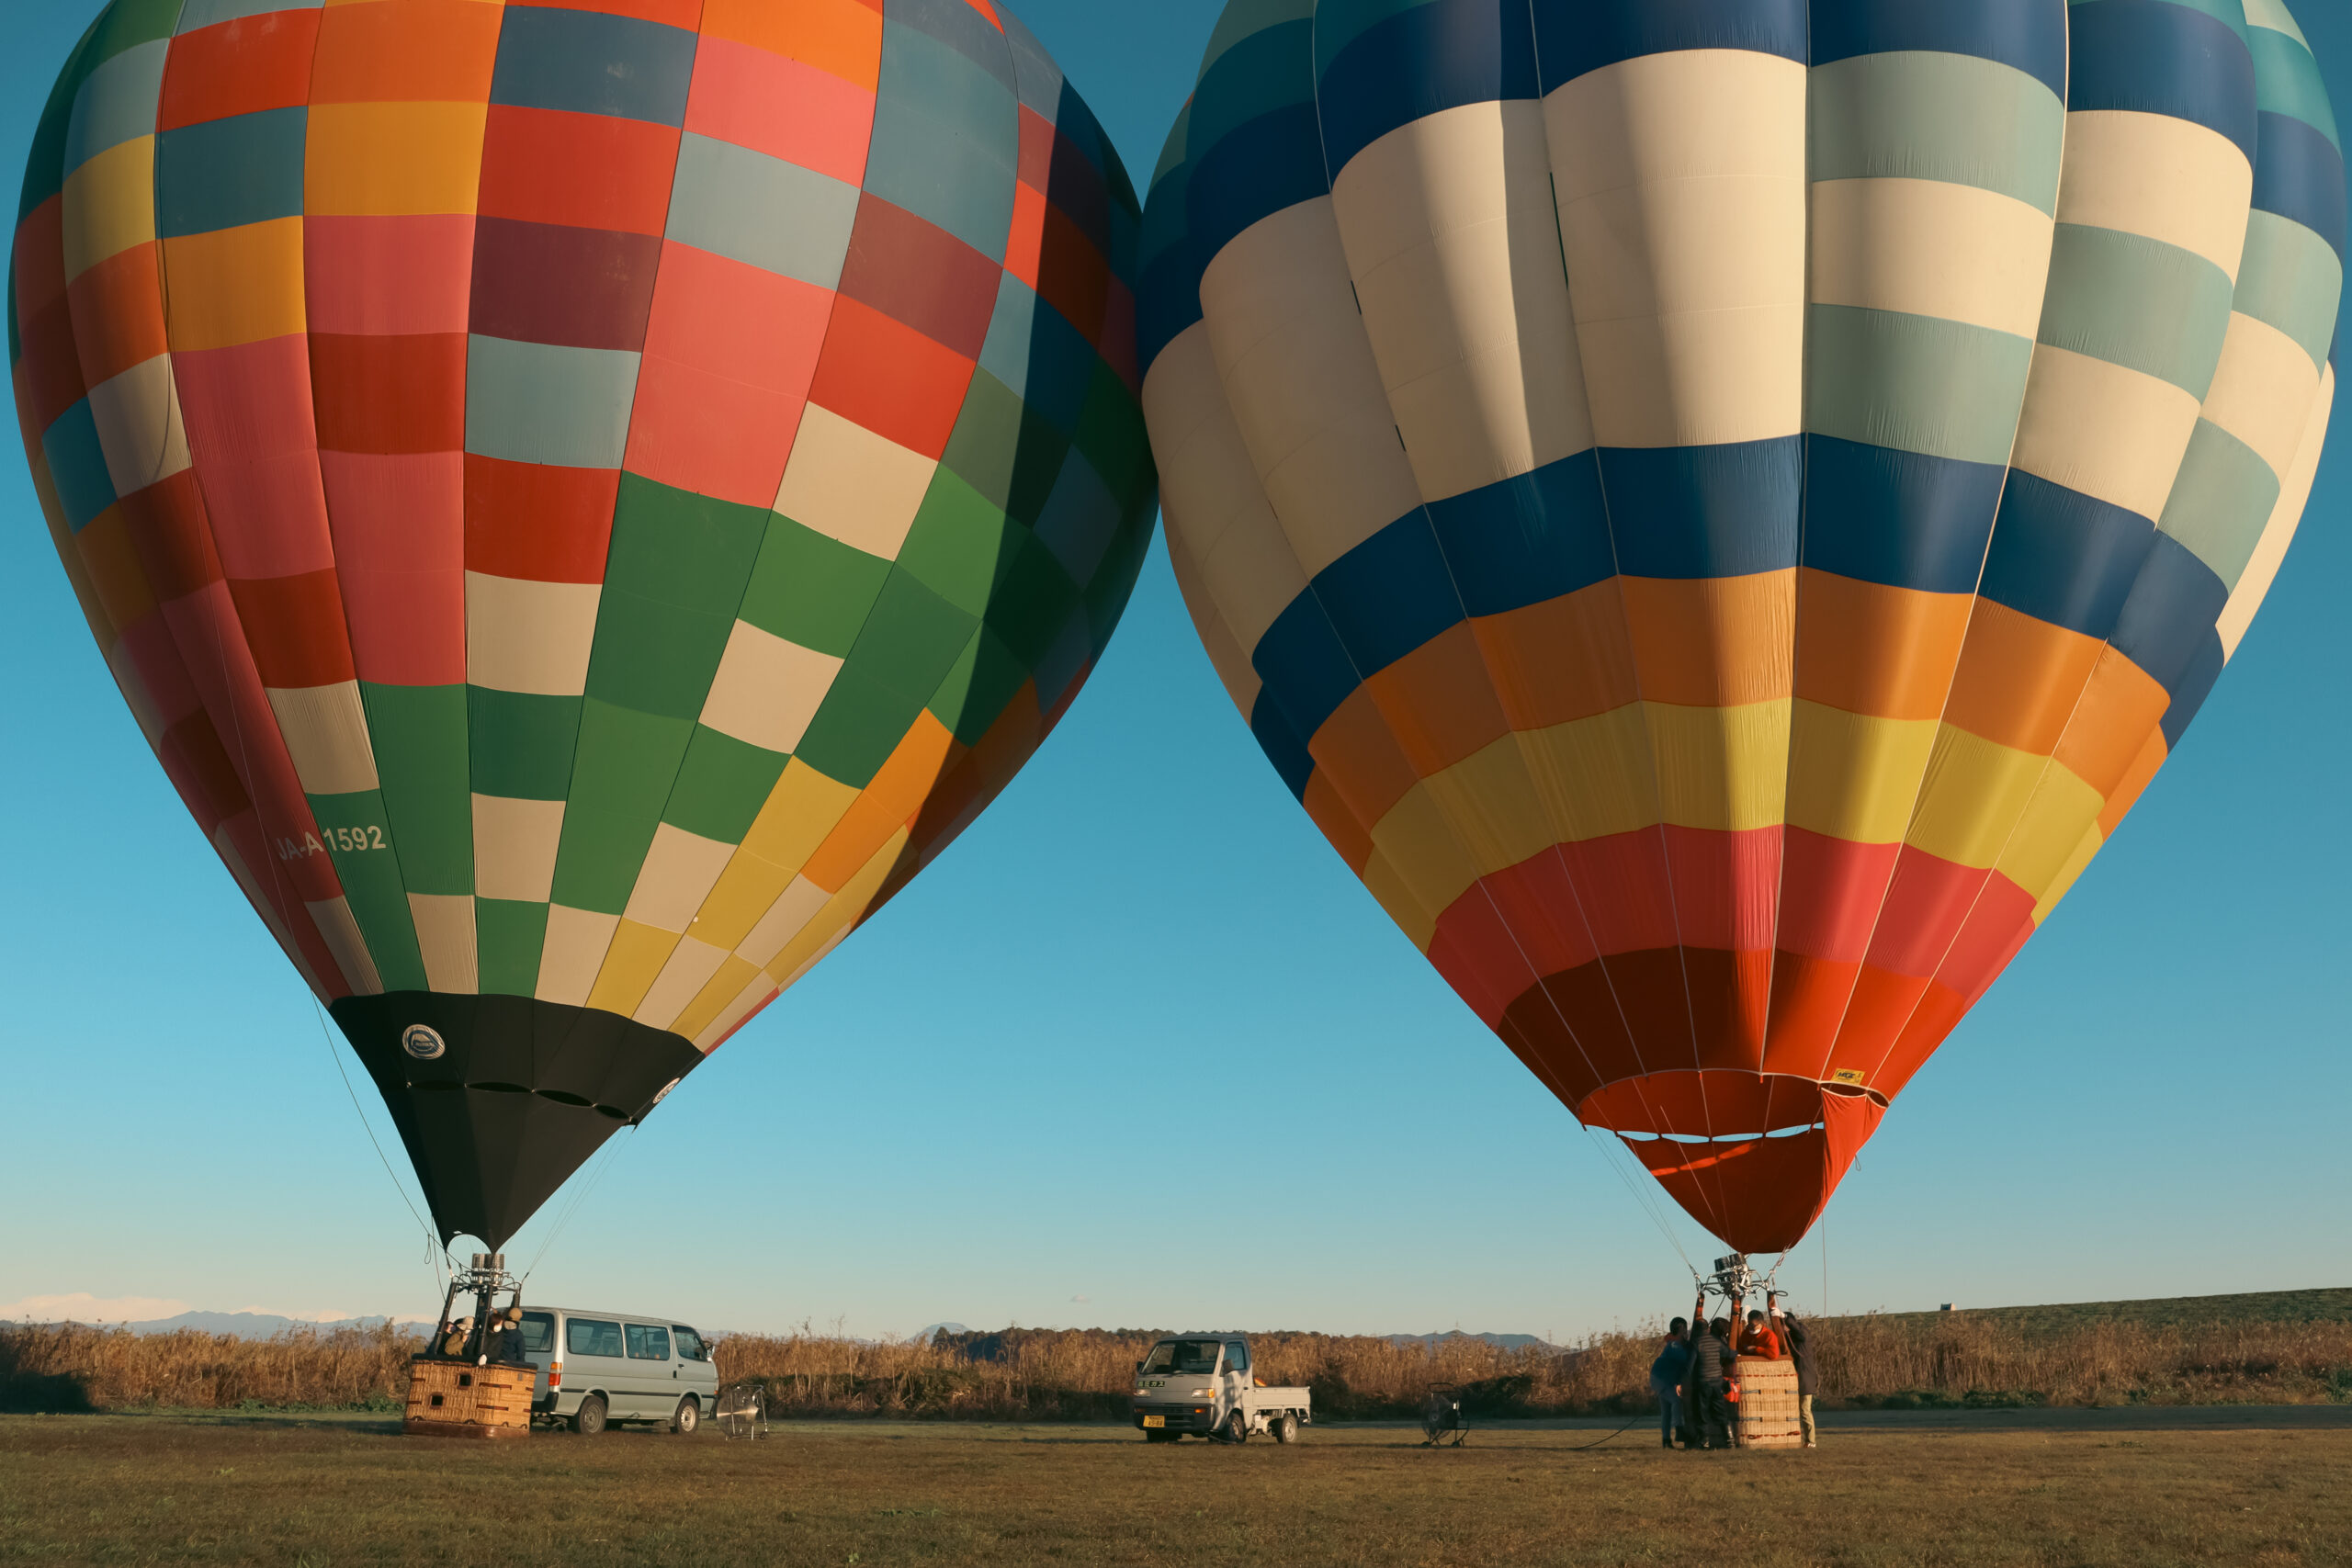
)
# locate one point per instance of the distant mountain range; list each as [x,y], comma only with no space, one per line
[250,1324]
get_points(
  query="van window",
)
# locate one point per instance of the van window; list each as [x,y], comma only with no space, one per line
[690,1345]
[1236,1356]
[589,1336]
[538,1332]
[647,1343]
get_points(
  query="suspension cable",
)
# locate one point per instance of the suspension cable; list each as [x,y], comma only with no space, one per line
[432,1240]
[604,1163]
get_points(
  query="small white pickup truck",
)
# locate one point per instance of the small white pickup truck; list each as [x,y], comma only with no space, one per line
[1201,1383]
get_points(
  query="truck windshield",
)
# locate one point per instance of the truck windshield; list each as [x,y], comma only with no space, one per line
[1182,1356]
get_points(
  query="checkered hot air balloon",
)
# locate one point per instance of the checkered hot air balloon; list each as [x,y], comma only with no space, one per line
[1717,507]
[584,500]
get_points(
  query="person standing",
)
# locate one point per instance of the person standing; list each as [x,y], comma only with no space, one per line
[1792,1334]
[1706,1379]
[1666,1381]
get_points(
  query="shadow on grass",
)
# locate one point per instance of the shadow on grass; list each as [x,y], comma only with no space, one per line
[42,1393]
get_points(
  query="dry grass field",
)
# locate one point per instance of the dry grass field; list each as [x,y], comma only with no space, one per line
[1954,1491]
[2283,1348]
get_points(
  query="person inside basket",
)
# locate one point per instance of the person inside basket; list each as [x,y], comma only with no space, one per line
[1801,1352]
[1665,1383]
[505,1343]
[1757,1339]
[454,1336]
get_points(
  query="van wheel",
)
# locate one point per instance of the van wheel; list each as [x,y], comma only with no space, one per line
[1237,1427]
[589,1419]
[1285,1428]
[688,1418]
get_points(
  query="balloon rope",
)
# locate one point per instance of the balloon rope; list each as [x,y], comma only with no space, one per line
[1644,1197]
[573,1208]
[364,1126]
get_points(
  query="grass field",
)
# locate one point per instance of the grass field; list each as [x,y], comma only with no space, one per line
[1959,1493]
[2275,1348]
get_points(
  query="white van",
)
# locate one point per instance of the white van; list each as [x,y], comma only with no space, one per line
[596,1368]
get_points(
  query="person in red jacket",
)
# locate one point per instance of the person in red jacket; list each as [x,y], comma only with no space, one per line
[1757,1338]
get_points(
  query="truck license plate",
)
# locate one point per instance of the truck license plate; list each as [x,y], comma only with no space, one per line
[1155,1420]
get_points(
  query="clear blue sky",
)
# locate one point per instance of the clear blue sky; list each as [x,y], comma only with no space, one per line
[967,1112]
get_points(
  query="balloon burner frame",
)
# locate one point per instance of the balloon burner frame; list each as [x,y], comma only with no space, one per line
[484,1277]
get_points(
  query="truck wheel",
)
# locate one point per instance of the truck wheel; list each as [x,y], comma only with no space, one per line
[589,1419]
[1237,1427]
[1285,1428]
[688,1418]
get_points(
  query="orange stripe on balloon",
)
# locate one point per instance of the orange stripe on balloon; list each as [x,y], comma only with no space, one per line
[1868,649]
[1713,642]
[2111,726]
[1565,658]
[2019,678]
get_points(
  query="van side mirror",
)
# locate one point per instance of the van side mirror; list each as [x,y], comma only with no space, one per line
[1138,1369]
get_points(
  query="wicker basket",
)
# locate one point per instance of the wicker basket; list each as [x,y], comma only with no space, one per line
[454,1399]
[1768,1403]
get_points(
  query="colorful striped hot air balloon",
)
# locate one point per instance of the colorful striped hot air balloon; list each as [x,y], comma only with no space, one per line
[584,500]
[1717,507]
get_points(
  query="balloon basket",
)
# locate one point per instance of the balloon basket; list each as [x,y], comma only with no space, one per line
[452,1399]
[1767,1415]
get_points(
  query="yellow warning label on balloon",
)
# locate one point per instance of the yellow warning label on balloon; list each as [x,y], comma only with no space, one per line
[1847,1075]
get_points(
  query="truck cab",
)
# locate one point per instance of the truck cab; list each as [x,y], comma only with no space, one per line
[1202,1384]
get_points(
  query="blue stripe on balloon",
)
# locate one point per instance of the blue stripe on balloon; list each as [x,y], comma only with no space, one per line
[2172,610]
[2299,176]
[1419,63]
[1389,595]
[1903,519]
[2154,57]
[1306,668]
[1272,162]
[1167,300]
[1267,71]
[2062,556]
[1577,37]
[1527,539]
[1695,512]
[2030,35]
[2195,686]
[1279,740]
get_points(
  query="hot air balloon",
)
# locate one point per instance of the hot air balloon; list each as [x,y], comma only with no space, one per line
[585,501]
[1717,507]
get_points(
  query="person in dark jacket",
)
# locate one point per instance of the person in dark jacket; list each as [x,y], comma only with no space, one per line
[1665,1383]
[505,1342]
[1793,1335]
[1706,1379]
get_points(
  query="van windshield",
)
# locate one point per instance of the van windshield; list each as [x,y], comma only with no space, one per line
[1182,1356]
[538,1333]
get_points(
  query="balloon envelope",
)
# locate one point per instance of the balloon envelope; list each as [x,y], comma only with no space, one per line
[583,503]
[1717,509]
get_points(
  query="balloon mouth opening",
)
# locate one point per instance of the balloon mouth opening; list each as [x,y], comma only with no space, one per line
[1698,1140]
[559,1097]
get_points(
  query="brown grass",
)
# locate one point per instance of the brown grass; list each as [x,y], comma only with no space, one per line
[233,1489]
[71,1367]
[1959,1359]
